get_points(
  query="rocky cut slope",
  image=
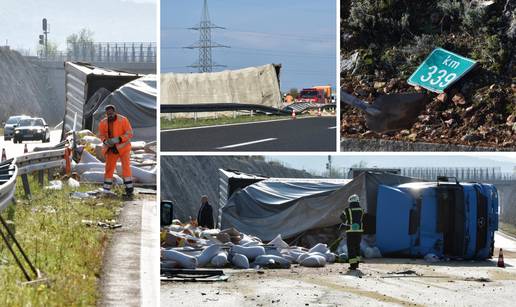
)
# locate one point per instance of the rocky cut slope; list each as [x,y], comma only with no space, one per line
[24,88]
[184,179]
[383,42]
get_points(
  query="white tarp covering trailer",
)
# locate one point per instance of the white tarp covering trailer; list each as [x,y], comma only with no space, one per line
[254,85]
[86,86]
[271,206]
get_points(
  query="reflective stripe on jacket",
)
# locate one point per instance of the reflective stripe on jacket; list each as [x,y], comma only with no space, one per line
[354,219]
[120,128]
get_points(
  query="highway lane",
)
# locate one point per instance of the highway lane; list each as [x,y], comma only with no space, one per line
[302,134]
[14,150]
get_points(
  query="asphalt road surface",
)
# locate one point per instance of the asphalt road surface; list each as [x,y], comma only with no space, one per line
[378,282]
[15,150]
[302,134]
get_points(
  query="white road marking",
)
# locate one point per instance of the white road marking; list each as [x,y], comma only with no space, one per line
[247,143]
[330,128]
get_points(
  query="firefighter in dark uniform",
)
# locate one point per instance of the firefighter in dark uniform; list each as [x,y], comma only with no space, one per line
[352,218]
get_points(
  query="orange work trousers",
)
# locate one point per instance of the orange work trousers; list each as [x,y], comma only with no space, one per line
[111,159]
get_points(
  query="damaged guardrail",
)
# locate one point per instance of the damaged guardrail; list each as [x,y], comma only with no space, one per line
[8,174]
[219,107]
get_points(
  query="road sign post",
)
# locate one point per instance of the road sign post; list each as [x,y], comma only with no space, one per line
[441,69]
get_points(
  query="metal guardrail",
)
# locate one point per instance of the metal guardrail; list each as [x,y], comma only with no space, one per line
[8,174]
[304,106]
[39,161]
[216,107]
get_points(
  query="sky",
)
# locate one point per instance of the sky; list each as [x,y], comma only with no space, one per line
[110,21]
[299,34]
[317,163]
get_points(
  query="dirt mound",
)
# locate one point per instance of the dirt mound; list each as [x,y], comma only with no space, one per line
[184,179]
[24,88]
[384,42]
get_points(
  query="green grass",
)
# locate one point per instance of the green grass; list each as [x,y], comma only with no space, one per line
[50,230]
[508,228]
[190,122]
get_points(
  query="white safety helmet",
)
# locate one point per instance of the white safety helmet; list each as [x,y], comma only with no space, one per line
[354,199]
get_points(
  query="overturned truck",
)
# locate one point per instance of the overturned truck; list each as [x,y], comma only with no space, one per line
[407,217]
[89,88]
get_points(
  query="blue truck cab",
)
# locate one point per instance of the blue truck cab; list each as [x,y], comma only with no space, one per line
[448,219]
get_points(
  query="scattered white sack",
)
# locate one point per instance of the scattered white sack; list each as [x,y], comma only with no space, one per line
[302,257]
[343,247]
[314,261]
[251,252]
[185,261]
[319,247]
[279,243]
[205,257]
[220,260]
[138,145]
[86,157]
[271,261]
[330,257]
[295,253]
[98,177]
[151,147]
[74,184]
[289,257]
[249,243]
[89,167]
[270,250]
[240,261]
[55,185]
[139,174]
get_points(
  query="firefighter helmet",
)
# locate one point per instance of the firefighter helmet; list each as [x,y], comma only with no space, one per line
[354,199]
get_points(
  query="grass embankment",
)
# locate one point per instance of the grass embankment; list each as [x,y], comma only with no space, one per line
[508,228]
[49,228]
[200,122]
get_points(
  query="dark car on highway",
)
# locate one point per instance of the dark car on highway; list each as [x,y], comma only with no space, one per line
[10,124]
[32,129]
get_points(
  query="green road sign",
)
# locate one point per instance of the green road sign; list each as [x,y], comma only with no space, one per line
[440,69]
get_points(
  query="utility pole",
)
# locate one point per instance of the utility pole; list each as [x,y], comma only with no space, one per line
[205,44]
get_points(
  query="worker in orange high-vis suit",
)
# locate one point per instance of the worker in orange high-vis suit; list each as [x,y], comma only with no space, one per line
[115,132]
